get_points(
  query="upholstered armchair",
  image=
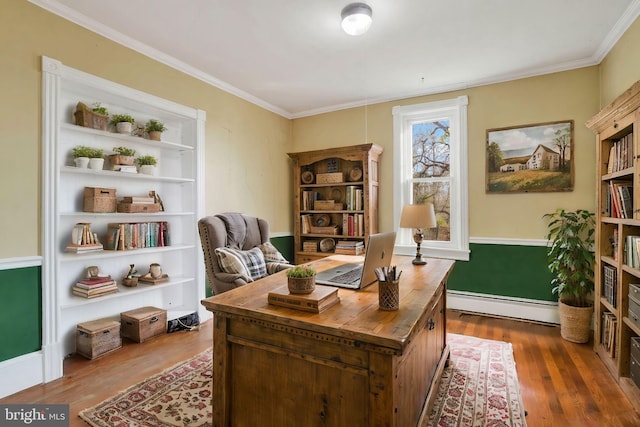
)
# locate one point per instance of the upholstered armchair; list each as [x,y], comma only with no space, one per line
[237,250]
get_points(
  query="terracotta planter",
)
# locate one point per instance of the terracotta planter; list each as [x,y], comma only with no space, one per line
[155,135]
[119,159]
[301,285]
[575,322]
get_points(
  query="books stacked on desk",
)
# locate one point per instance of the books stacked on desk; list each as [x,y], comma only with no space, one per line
[95,287]
[350,247]
[317,301]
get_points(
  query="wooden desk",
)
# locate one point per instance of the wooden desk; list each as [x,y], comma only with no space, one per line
[351,365]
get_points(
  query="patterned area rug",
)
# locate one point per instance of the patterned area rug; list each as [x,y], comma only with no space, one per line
[478,388]
[179,396]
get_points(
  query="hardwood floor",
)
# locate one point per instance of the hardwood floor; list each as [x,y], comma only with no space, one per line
[562,384]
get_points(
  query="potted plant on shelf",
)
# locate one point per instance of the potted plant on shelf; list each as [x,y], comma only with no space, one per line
[571,261]
[301,279]
[154,128]
[123,122]
[124,156]
[96,158]
[81,154]
[147,164]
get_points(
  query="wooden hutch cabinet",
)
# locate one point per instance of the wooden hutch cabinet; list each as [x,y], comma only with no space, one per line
[617,269]
[335,200]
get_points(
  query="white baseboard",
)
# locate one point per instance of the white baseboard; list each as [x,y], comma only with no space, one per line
[518,308]
[20,373]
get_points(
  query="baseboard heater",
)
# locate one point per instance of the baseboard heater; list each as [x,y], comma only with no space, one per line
[499,305]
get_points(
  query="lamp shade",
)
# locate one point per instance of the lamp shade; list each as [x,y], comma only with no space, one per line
[356,18]
[418,216]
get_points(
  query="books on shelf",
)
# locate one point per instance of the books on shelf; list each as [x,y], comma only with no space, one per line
[621,154]
[349,247]
[353,224]
[139,199]
[127,236]
[631,251]
[83,239]
[608,333]
[619,199]
[610,284]
[95,287]
[317,301]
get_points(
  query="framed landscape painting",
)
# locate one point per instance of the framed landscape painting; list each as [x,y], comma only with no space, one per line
[530,158]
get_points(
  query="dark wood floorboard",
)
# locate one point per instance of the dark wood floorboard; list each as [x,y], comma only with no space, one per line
[562,384]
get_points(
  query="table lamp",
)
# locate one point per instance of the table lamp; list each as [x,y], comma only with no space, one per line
[418,217]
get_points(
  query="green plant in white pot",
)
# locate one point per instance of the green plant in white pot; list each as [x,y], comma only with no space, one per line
[81,154]
[147,164]
[123,123]
[571,261]
[96,159]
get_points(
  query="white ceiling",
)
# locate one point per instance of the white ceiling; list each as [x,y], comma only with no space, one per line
[291,56]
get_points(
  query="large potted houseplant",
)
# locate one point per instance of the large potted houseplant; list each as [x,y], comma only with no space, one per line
[571,262]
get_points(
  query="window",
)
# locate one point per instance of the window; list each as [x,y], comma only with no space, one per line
[430,165]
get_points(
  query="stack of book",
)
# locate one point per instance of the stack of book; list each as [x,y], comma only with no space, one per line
[83,239]
[317,301]
[95,287]
[350,247]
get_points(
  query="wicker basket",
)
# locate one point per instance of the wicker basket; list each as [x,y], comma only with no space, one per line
[575,322]
[90,119]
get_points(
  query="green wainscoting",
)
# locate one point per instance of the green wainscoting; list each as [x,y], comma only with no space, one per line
[20,311]
[285,245]
[506,270]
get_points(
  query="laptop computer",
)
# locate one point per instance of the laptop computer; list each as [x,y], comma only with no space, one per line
[378,253]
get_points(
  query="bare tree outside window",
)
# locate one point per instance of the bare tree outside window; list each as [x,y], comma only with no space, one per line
[431,169]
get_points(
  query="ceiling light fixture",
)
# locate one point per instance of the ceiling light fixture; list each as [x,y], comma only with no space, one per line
[356,18]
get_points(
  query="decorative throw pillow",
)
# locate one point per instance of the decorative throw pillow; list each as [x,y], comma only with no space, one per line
[271,253]
[249,264]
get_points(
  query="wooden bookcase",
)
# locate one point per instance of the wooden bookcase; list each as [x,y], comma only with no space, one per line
[178,180]
[335,198]
[617,225]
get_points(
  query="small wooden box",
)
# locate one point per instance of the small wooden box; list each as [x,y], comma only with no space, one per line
[98,337]
[323,205]
[138,207]
[634,312]
[310,246]
[143,323]
[99,199]
[329,178]
[91,119]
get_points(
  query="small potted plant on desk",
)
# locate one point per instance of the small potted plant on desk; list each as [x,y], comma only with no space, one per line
[123,123]
[301,279]
[147,164]
[571,261]
[155,128]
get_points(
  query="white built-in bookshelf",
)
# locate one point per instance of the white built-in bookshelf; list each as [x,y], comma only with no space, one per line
[178,180]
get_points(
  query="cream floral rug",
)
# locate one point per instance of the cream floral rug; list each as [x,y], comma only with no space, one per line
[179,396]
[479,387]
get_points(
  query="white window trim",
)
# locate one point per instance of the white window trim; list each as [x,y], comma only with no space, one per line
[403,116]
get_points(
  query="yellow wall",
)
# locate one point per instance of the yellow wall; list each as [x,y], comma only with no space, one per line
[246,162]
[621,67]
[571,95]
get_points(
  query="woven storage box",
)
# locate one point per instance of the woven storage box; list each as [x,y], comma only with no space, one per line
[329,178]
[98,337]
[98,199]
[143,323]
[138,207]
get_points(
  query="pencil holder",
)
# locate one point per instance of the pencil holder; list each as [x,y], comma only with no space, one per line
[388,295]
